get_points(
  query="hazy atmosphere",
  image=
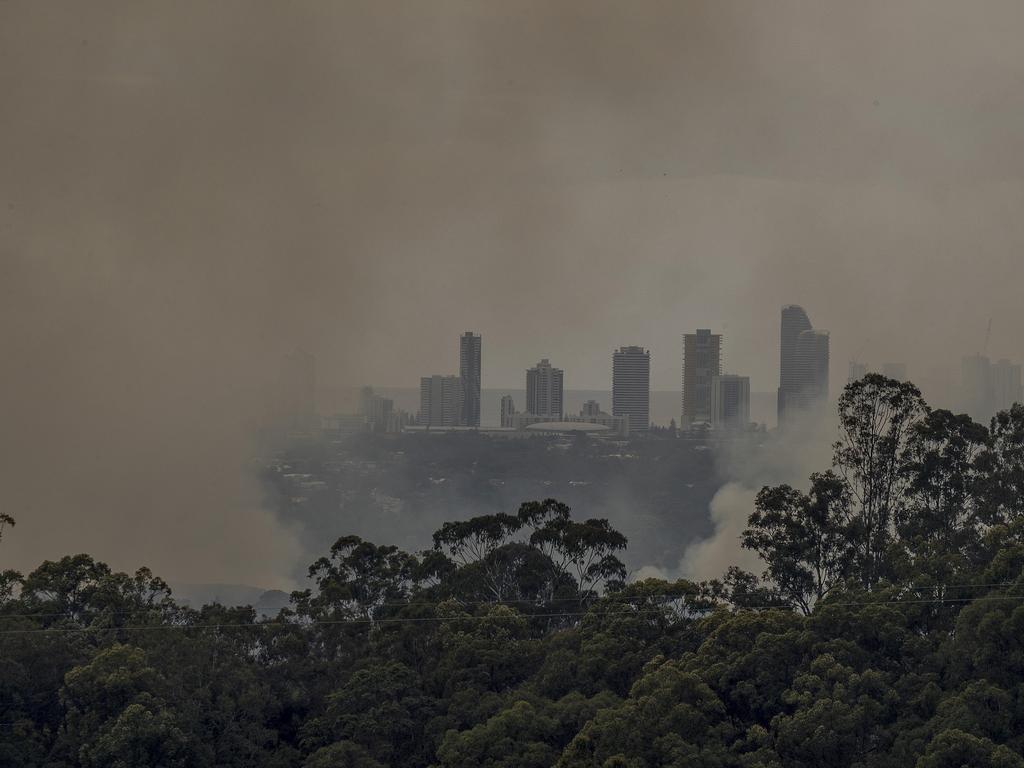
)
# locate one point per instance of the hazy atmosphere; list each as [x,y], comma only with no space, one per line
[188,191]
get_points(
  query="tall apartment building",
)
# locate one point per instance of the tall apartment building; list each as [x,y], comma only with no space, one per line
[813,368]
[508,411]
[544,390]
[702,361]
[730,402]
[378,411]
[803,364]
[469,374]
[977,387]
[989,387]
[440,401]
[1006,385]
[631,386]
[380,414]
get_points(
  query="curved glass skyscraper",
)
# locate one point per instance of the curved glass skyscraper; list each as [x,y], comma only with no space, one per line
[803,364]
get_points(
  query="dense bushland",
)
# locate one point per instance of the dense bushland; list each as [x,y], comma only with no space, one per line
[887,629]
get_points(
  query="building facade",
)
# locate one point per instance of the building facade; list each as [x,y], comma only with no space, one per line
[988,388]
[631,386]
[813,367]
[470,349]
[378,411]
[702,361]
[544,390]
[508,411]
[440,401]
[803,364]
[730,402]
[978,392]
[794,322]
[1006,385]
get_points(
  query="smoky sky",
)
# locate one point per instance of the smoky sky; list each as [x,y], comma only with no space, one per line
[189,190]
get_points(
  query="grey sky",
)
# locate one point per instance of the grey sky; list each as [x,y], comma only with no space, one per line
[190,189]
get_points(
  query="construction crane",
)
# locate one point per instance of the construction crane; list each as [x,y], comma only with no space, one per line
[988,336]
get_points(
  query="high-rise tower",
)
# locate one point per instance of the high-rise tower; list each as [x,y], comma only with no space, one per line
[631,386]
[469,374]
[1006,385]
[803,363]
[812,358]
[440,401]
[544,390]
[508,411]
[978,391]
[730,402]
[702,361]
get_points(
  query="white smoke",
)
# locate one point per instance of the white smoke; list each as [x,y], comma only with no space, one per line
[708,558]
[788,456]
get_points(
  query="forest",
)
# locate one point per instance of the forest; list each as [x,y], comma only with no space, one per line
[885,630]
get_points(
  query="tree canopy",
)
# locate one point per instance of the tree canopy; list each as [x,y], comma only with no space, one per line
[885,629]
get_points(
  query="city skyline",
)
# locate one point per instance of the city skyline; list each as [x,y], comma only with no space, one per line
[368,182]
[952,395]
[804,376]
[446,384]
[589,371]
[941,384]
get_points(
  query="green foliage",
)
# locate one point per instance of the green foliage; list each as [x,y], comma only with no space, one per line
[344,754]
[1002,469]
[956,749]
[527,732]
[357,579]
[116,716]
[382,708]
[886,630]
[877,418]
[671,718]
[803,538]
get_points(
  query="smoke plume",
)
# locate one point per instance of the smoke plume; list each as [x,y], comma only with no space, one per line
[190,190]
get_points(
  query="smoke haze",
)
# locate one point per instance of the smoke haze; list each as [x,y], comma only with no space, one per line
[190,190]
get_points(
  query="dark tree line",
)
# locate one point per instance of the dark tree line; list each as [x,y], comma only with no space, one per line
[916,499]
[887,630]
